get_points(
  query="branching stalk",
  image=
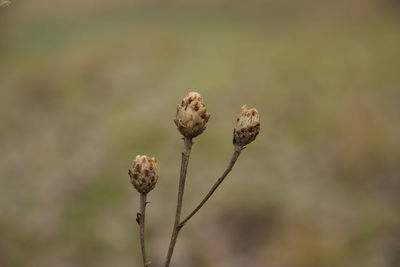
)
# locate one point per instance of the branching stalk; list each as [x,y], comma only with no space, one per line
[235,156]
[191,118]
[185,160]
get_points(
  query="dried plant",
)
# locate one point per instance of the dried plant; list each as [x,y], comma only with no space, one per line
[191,118]
[144,174]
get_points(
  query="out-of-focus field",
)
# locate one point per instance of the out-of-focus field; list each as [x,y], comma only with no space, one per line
[85,86]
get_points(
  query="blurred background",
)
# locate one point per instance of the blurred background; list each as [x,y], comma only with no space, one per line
[85,86]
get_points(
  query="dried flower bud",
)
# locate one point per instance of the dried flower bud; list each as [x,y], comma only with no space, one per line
[144,173]
[247,127]
[191,115]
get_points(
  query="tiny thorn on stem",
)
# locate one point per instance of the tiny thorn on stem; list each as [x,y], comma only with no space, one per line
[138,217]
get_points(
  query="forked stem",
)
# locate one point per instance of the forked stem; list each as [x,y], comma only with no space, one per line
[141,220]
[182,178]
[235,156]
[179,224]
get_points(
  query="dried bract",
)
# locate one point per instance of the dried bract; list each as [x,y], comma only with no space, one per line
[247,127]
[191,115]
[144,173]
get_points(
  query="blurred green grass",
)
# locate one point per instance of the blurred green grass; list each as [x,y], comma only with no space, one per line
[85,87]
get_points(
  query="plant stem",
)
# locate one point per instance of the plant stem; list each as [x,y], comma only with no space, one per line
[141,220]
[182,178]
[235,156]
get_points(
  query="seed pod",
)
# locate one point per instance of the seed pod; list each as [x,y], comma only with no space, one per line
[247,127]
[144,173]
[191,115]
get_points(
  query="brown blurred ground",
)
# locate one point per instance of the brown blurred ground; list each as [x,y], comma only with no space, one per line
[87,85]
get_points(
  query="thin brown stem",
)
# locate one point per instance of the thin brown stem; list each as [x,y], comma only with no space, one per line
[235,156]
[182,178]
[141,220]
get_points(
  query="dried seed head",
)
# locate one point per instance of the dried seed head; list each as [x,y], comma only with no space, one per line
[191,115]
[247,127]
[144,173]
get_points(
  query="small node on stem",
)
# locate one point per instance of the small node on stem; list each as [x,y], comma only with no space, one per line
[138,215]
